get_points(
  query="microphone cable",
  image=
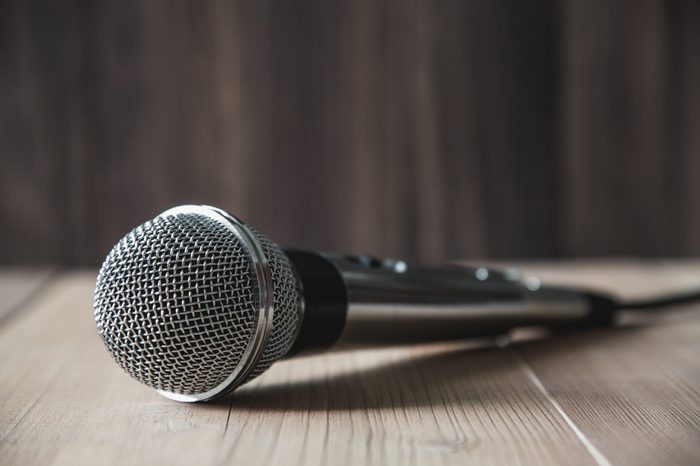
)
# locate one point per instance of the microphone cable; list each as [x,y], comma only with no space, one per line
[656,303]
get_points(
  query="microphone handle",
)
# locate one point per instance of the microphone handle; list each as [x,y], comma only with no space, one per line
[388,301]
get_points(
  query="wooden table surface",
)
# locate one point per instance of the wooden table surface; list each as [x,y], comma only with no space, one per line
[622,396]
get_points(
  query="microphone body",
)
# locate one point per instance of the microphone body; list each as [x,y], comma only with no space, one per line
[195,303]
[363,301]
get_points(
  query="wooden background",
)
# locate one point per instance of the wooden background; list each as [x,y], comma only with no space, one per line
[428,129]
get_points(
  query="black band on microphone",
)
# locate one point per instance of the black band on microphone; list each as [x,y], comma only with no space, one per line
[325,301]
[602,310]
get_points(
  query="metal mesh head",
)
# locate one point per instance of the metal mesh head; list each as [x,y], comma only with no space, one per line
[178,302]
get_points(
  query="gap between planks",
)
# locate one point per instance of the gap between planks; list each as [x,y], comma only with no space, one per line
[599,458]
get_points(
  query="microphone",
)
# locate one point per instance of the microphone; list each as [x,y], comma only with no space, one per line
[195,303]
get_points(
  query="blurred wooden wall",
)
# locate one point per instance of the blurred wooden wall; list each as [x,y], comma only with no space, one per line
[428,129]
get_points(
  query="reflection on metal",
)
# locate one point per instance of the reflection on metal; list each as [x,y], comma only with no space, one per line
[409,303]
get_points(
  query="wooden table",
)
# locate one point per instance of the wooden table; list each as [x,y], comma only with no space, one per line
[623,396]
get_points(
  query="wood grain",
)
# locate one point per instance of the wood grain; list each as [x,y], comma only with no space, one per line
[623,396]
[431,130]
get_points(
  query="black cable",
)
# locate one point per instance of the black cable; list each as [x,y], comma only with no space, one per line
[670,300]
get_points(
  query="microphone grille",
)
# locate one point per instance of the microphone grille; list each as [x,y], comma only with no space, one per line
[286,298]
[177,303]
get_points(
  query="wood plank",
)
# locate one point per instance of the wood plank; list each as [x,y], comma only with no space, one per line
[44,168]
[620,117]
[632,392]
[687,14]
[625,396]
[18,286]
[443,404]
[444,129]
